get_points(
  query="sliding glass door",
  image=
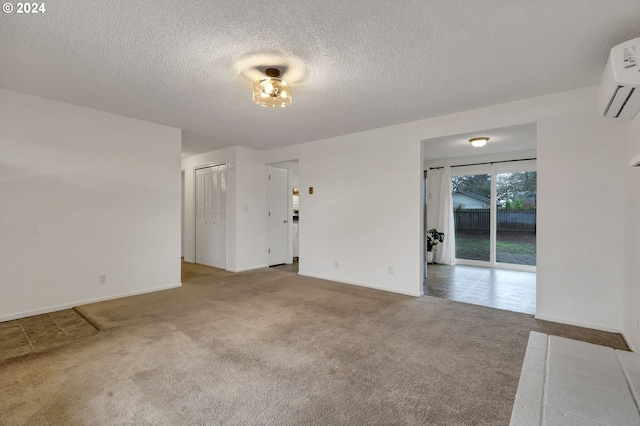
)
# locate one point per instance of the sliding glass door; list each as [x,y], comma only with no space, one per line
[516,218]
[471,196]
[494,212]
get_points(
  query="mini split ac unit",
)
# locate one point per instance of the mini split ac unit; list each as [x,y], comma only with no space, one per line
[619,95]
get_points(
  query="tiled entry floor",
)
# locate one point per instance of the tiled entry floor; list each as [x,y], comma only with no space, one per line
[495,288]
[292,267]
[42,332]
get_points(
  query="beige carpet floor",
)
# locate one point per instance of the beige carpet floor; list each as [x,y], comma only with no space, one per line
[268,347]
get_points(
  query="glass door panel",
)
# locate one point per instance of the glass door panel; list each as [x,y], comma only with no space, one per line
[516,218]
[472,216]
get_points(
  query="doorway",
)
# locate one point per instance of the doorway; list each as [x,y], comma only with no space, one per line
[277,215]
[283,214]
[492,197]
[211,215]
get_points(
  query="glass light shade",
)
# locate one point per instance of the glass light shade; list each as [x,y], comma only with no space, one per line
[478,142]
[272,92]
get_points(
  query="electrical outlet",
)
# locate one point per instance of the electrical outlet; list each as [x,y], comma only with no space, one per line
[390,269]
[102,279]
[335,264]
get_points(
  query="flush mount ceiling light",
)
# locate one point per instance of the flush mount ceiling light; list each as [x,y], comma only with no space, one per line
[478,142]
[272,91]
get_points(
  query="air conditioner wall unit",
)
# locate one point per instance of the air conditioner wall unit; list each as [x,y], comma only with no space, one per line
[619,95]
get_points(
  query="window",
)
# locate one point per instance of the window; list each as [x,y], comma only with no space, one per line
[494,209]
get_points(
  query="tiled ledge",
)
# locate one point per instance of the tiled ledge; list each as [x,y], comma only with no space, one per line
[568,382]
[42,332]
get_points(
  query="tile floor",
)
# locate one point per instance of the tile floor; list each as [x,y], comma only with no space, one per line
[42,332]
[293,267]
[495,288]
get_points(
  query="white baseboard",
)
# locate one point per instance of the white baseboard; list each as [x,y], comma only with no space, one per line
[375,287]
[626,339]
[569,321]
[250,268]
[61,307]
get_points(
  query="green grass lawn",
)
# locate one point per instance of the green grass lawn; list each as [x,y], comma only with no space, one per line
[519,248]
[511,247]
[473,248]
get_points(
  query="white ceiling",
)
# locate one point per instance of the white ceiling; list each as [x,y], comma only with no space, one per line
[354,65]
[501,140]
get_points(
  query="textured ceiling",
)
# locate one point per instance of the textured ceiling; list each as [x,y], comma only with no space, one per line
[354,65]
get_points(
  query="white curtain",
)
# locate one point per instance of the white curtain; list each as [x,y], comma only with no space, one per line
[446,250]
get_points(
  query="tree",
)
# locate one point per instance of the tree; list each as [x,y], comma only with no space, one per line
[518,188]
[514,190]
[477,184]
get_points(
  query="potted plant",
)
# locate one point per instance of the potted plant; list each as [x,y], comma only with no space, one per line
[433,238]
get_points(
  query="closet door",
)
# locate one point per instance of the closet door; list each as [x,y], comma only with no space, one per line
[211,216]
[220,218]
[203,216]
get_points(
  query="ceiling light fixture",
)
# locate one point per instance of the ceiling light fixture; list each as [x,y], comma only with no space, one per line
[272,91]
[478,142]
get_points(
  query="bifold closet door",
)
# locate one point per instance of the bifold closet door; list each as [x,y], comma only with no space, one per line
[211,185]
[219,217]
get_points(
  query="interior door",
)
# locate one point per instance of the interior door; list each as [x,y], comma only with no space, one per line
[211,220]
[277,215]
[219,217]
[203,216]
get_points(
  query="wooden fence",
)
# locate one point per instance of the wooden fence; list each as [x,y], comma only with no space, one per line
[507,220]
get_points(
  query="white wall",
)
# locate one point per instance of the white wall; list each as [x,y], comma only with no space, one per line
[251,207]
[632,240]
[362,182]
[365,209]
[365,212]
[579,278]
[83,193]
[182,215]
[86,192]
